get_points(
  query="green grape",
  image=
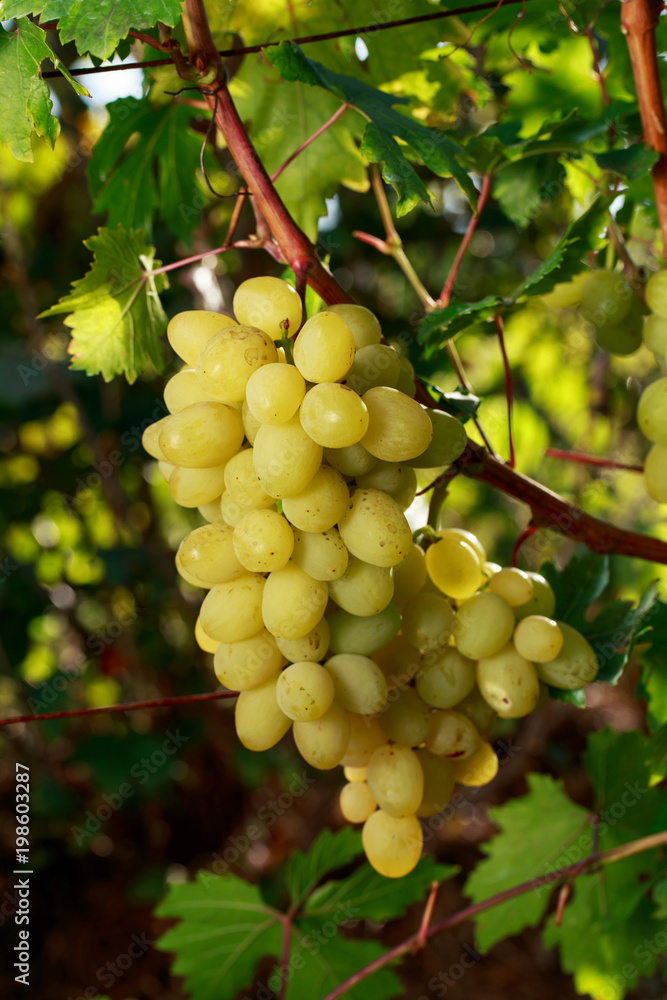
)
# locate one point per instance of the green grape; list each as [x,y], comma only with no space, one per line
[285,458]
[150,439]
[183,390]
[399,662]
[489,569]
[624,337]
[260,724]
[655,473]
[606,297]
[446,678]
[407,488]
[207,554]
[428,621]
[406,719]
[398,428]
[194,487]
[363,324]
[250,424]
[575,666]
[386,476]
[204,641]
[231,510]
[406,378]
[243,665]
[566,293]
[242,482]
[229,358]
[543,601]
[357,802]
[359,683]
[333,415]
[478,710]
[202,435]
[656,294]
[189,331]
[538,639]
[374,528]
[355,773]
[233,611]
[274,393]
[478,769]
[409,576]
[396,779]
[263,541]
[351,462]
[451,734]
[365,736]
[322,503]
[470,539]
[374,365]
[322,743]
[324,349]
[322,555]
[312,646]
[483,625]
[393,845]
[652,412]
[447,444]
[293,602]
[364,635]
[509,683]
[211,511]
[655,334]
[363,589]
[438,783]
[270,304]
[454,568]
[512,584]
[305,691]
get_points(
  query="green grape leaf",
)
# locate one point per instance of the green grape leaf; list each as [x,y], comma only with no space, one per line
[224,929]
[331,850]
[25,103]
[321,960]
[437,151]
[374,897]
[660,899]
[114,311]
[441,325]
[379,146]
[523,187]
[631,162]
[577,585]
[534,829]
[653,662]
[616,630]
[158,173]
[461,404]
[97,28]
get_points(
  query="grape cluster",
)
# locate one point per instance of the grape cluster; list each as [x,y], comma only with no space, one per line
[652,409]
[388,658]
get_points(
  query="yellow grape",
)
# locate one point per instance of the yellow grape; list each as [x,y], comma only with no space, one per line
[263,541]
[333,415]
[233,611]
[399,662]
[509,683]
[451,734]
[438,783]
[409,576]
[537,638]
[274,393]
[355,773]
[374,365]
[242,482]
[189,331]
[322,743]
[357,802]
[448,442]
[207,554]
[150,439]
[188,577]
[305,691]
[320,554]
[428,621]
[285,458]
[468,537]
[363,324]
[406,491]
[393,845]
[204,641]
[454,568]
[359,683]
[656,299]
[194,487]
[182,390]
[406,718]
[655,334]
[575,666]
[312,646]
[363,589]
[446,678]
[202,435]
[374,528]
[250,424]
[365,736]
[515,586]
[483,625]
[398,428]
[396,779]
[351,461]
[321,505]
[655,473]
[232,511]
[365,635]
[270,304]
[324,349]
[543,601]
[248,663]
[293,602]
[229,358]
[386,476]
[259,722]
[478,769]
[165,469]
[652,412]
[211,511]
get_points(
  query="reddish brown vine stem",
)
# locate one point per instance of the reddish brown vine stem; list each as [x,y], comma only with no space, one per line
[129,706]
[639,19]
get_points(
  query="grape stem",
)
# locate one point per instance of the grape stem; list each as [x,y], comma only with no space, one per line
[129,706]
[523,537]
[311,138]
[603,463]
[446,292]
[570,873]
[509,395]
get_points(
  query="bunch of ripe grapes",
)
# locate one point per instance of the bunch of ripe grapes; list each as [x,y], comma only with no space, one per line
[380,655]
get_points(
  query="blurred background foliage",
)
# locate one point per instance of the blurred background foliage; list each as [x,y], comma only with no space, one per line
[93,611]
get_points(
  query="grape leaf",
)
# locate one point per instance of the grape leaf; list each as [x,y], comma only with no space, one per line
[159,172]
[438,152]
[523,187]
[631,162]
[577,585]
[97,28]
[654,667]
[114,310]
[25,103]
[329,851]
[445,323]
[615,631]
[379,146]
[461,404]
[533,831]
[225,929]
[324,959]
